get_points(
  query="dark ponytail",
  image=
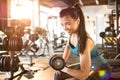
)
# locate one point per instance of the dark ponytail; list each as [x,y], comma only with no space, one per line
[81,30]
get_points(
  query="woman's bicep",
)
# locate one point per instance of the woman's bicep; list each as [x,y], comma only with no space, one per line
[85,58]
[85,62]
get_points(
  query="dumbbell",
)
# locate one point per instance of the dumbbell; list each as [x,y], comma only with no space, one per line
[5,63]
[14,43]
[57,62]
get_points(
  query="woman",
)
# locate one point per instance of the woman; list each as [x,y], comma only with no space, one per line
[92,64]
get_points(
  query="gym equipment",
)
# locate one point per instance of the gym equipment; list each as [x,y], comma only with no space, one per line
[111,35]
[59,42]
[13,39]
[41,31]
[10,61]
[2,36]
[9,30]
[43,39]
[13,43]
[3,53]
[33,37]
[0,40]
[5,63]
[30,46]
[57,62]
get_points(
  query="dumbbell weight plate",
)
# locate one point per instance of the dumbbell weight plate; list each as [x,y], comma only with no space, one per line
[4,65]
[5,43]
[58,63]
[2,68]
[20,43]
[16,63]
[51,59]
[12,43]
[0,63]
[7,63]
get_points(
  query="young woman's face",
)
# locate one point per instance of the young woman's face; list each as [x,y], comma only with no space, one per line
[69,24]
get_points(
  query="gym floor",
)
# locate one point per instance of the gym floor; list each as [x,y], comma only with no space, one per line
[40,70]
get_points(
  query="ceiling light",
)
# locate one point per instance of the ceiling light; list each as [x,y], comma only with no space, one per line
[97,2]
[81,2]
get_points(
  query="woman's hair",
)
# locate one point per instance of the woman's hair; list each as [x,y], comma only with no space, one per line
[76,12]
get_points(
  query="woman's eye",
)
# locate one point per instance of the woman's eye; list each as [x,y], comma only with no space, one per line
[67,23]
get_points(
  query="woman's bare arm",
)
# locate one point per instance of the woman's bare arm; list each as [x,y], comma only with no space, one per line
[85,62]
[66,53]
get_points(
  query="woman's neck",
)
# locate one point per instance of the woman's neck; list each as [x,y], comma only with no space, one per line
[74,39]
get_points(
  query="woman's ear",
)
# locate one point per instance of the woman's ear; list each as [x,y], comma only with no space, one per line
[78,21]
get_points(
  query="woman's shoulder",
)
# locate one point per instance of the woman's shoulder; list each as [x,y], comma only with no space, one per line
[90,43]
[90,40]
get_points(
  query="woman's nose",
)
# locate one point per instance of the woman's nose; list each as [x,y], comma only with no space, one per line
[65,27]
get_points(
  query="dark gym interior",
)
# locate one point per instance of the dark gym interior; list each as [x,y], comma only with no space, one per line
[30,34]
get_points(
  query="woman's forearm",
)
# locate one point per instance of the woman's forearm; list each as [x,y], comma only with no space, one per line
[77,73]
[66,53]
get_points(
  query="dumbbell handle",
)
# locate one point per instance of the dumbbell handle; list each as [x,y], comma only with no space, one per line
[73,65]
[64,69]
